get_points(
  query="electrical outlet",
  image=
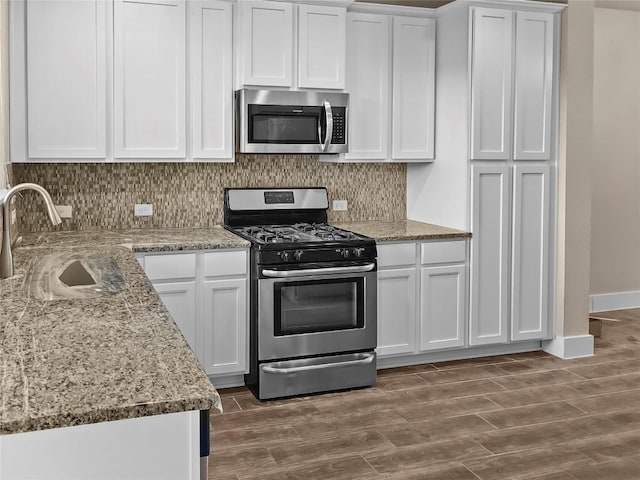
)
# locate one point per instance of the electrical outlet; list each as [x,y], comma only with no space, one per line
[143,209]
[64,210]
[340,205]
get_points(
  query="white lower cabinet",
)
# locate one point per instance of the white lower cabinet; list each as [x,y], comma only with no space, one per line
[530,253]
[180,300]
[419,313]
[442,307]
[224,319]
[489,255]
[145,448]
[396,311]
[206,294]
[510,253]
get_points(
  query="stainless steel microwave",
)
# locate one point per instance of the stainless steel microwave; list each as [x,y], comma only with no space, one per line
[275,121]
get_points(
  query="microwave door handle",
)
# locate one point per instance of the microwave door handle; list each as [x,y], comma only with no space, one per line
[328,116]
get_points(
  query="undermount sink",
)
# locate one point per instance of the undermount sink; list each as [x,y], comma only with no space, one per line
[73,276]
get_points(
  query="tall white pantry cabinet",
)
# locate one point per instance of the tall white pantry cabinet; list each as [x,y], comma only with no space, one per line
[495,161]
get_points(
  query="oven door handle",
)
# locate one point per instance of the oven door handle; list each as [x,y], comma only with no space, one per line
[366,360]
[318,271]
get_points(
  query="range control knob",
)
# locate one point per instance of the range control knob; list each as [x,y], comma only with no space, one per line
[345,253]
[297,255]
[358,251]
[284,256]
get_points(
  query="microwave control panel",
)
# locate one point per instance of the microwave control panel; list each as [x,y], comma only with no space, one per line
[339,127]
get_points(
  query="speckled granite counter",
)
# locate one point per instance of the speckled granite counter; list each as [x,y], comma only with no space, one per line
[72,362]
[402,230]
[142,240]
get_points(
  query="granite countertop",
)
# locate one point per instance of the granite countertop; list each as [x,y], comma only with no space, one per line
[72,362]
[399,230]
[142,240]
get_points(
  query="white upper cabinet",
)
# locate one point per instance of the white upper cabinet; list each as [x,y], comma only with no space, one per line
[533,85]
[368,84]
[413,88]
[149,74]
[106,80]
[266,52]
[321,46]
[277,39]
[65,94]
[211,76]
[491,83]
[511,71]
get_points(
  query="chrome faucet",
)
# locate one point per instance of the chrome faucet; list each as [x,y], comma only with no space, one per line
[6,257]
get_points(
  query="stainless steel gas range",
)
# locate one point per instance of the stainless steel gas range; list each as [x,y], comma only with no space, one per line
[313,293]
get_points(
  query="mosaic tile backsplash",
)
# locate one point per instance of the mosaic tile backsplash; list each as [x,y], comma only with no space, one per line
[191,194]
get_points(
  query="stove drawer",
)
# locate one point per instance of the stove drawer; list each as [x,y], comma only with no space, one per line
[318,374]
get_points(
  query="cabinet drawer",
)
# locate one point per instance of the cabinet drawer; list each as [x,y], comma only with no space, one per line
[217,264]
[160,267]
[396,254]
[443,252]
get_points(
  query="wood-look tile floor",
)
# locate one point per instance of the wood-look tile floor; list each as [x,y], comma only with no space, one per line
[514,417]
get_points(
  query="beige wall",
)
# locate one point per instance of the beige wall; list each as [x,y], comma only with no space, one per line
[574,170]
[615,221]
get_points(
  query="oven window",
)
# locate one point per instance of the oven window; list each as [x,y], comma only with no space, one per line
[318,306]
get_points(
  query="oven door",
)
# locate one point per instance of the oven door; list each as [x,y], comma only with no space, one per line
[314,311]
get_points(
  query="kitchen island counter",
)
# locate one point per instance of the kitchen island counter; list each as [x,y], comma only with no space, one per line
[402,230]
[80,361]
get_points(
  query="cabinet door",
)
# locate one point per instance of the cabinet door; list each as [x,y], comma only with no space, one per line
[149,88]
[491,78]
[211,88]
[533,85]
[396,311]
[489,255]
[442,307]
[368,75]
[66,78]
[530,258]
[413,88]
[180,300]
[321,46]
[267,43]
[225,326]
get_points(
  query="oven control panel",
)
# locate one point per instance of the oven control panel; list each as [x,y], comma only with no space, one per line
[318,255]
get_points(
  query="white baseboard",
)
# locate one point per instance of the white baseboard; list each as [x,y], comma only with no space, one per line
[457,354]
[614,301]
[570,347]
[227,381]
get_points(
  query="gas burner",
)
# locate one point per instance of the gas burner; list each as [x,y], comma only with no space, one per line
[296,233]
